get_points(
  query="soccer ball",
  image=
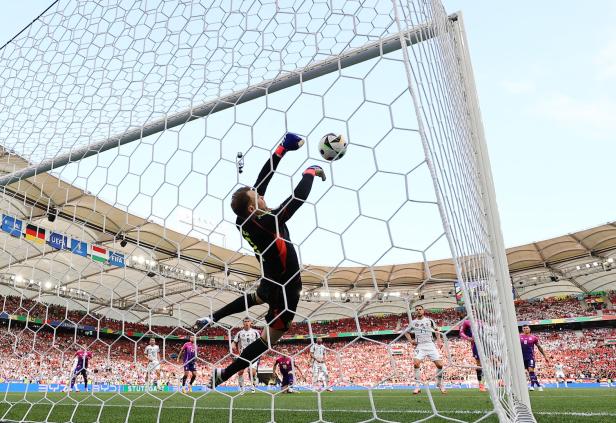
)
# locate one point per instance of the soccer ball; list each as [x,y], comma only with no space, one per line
[332,146]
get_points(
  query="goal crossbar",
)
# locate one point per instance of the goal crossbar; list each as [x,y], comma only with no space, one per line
[352,57]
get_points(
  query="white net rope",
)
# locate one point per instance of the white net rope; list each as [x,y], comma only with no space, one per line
[115,246]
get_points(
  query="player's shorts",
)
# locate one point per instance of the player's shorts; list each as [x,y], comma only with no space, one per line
[153,366]
[560,375]
[529,362]
[319,368]
[282,301]
[80,371]
[190,367]
[427,351]
[287,379]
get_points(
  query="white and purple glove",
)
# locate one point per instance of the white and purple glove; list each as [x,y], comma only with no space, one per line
[291,142]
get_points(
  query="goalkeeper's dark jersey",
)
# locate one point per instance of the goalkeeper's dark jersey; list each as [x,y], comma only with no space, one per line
[268,234]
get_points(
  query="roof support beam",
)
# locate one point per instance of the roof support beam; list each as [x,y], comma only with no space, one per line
[568,278]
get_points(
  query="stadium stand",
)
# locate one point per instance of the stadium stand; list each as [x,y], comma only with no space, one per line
[34,352]
[556,307]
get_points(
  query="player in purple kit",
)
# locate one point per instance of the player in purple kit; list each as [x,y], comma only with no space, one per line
[466,333]
[80,367]
[528,343]
[188,353]
[287,371]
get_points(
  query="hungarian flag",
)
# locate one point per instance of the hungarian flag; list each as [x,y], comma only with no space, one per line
[99,254]
[36,234]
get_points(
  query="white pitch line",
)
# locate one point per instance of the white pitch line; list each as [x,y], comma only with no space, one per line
[342,410]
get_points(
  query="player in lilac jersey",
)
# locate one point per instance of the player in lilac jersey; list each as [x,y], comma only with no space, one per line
[188,353]
[466,333]
[80,367]
[529,342]
[287,371]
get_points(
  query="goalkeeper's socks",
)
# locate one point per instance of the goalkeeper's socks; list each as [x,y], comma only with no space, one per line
[184,380]
[238,305]
[250,353]
[479,375]
[533,379]
[192,379]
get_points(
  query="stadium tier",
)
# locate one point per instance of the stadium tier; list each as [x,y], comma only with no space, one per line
[37,354]
[21,309]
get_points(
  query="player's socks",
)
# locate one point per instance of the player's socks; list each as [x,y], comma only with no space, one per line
[249,355]
[238,305]
[85,382]
[417,377]
[533,379]
[183,381]
[240,381]
[192,379]
[479,375]
[439,378]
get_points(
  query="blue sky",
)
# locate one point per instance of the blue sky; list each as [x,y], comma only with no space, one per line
[546,78]
[546,75]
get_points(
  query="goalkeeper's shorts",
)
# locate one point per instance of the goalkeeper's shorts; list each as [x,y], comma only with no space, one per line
[282,301]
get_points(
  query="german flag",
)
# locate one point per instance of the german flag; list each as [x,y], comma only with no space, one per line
[36,234]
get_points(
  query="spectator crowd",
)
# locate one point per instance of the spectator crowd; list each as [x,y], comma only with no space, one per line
[547,308]
[40,353]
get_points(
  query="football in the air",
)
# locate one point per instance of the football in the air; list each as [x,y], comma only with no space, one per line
[332,146]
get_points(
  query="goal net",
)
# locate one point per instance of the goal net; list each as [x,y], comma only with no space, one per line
[126,127]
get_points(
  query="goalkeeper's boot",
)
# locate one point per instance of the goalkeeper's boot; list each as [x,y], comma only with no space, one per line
[532,388]
[416,391]
[482,387]
[442,389]
[204,322]
[541,389]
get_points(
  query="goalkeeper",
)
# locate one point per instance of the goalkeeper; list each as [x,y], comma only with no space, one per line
[266,231]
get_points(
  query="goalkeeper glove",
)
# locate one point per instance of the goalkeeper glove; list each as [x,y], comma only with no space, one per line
[315,171]
[291,142]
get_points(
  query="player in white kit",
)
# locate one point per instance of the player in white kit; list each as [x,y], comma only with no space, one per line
[153,368]
[559,373]
[246,336]
[319,368]
[424,330]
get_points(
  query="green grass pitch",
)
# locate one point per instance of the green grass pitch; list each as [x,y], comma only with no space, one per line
[555,405]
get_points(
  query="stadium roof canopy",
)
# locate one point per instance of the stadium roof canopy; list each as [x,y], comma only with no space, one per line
[176,278]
